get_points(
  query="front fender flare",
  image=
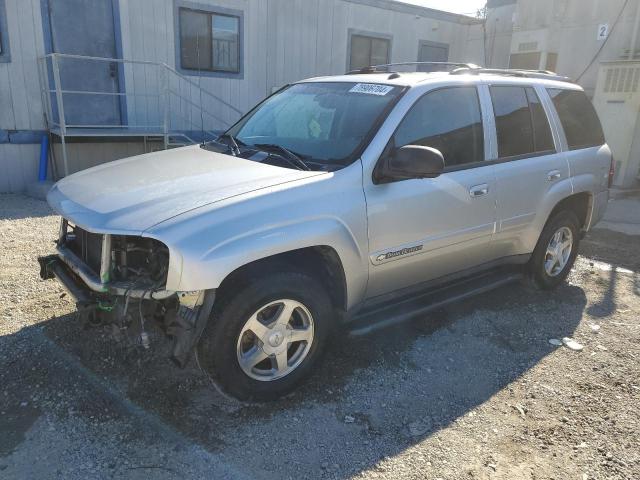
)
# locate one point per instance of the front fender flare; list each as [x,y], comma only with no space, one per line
[207,269]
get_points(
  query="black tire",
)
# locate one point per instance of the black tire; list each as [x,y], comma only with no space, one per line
[537,263]
[218,345]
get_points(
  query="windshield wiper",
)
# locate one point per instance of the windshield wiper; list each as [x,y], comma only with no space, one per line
[233,145]
[285,153]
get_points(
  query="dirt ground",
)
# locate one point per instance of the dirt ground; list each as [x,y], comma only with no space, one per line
[475,391]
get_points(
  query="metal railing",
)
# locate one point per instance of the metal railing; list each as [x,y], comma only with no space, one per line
[134,98]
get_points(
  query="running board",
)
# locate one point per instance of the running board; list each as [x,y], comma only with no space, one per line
[408,309]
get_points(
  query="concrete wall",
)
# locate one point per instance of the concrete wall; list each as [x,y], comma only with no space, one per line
[569,28]
[498,34]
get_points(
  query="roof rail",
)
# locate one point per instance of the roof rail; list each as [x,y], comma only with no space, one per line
[544,74]
[446,67]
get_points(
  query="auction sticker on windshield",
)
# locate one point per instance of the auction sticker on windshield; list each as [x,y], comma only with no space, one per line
[371,89]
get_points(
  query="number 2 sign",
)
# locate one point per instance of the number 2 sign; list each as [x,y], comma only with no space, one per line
[603,31]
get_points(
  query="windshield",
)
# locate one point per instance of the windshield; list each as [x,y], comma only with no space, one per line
[323,122]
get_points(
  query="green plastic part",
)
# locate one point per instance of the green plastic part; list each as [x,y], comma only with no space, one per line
[105,307]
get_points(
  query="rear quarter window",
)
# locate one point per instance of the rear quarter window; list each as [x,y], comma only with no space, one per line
[578,117]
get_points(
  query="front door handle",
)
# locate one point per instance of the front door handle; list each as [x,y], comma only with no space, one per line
[553,175]
[479,190]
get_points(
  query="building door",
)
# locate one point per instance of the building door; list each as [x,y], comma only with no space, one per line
[432,52]
[87,28]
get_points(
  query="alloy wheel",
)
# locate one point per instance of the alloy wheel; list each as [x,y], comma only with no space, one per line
[275,340]
[558,251]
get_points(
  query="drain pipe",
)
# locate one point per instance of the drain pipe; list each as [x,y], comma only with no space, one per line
[44,150]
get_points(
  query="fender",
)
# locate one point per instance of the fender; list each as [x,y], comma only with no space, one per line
[590,174]
[206,245]
[207,270]
[585,183]
[558,192]
[597,201]
[590,169]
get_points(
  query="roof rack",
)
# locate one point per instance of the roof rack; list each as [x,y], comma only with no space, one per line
[446,67]
[544,74]
[455,68]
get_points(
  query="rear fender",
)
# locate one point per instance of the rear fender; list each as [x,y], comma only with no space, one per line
[558,192]
[590,174]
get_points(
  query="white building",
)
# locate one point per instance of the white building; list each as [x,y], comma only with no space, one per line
[584,40]
[180,69]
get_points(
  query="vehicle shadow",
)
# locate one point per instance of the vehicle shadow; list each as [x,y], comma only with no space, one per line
[605,246]
[372,397]
[607,304]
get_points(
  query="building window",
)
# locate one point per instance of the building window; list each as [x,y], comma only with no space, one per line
[432,52]
[525,61]
[528,47]
[209,41]
[532,60]
[4,35]
[367,50]
[448,120]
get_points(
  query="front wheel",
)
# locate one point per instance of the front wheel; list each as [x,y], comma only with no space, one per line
[556,250]
[266,337]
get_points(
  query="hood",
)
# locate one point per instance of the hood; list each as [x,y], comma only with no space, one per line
[134,194]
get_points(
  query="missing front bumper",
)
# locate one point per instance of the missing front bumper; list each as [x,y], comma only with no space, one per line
[81,272]
[51,266]
[185,324]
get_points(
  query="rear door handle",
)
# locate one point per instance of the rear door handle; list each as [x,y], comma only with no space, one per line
[553,175]
[479,190]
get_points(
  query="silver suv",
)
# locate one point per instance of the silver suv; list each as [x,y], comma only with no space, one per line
[357,200]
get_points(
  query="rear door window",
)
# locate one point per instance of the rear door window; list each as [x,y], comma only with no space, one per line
[448,120]
[578,117]
[513,121]
[522,126]
[542,137]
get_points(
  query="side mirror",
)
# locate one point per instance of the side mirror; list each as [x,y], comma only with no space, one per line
[413,161]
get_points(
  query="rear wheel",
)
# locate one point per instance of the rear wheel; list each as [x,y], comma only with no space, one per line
[267,335]
[556,250]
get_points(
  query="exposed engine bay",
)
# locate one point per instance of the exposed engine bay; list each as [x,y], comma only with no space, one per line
[119,281]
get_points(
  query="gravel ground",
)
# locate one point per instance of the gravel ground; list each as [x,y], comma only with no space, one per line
[474,391]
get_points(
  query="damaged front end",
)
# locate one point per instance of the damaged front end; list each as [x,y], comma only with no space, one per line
[121,280]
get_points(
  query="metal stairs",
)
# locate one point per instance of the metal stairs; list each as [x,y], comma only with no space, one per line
[155,103]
